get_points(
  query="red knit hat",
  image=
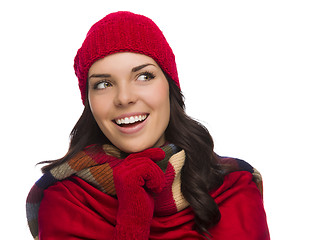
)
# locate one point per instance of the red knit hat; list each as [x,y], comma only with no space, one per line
[123,32]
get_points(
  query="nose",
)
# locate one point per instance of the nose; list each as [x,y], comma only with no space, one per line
[125,95]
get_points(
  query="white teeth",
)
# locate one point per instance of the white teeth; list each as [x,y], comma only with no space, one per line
[131,119]
[126,120]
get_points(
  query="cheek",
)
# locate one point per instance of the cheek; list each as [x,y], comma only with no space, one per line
[163,104]
[98,107]
[166,108]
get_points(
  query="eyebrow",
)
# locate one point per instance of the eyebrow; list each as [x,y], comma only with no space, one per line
[135,69]
[138,68]
[100,76]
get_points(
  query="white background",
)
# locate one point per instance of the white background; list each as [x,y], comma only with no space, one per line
[259,74]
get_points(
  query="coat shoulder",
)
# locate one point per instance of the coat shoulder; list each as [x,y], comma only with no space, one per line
[230,164]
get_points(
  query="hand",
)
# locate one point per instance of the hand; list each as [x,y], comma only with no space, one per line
[135,180]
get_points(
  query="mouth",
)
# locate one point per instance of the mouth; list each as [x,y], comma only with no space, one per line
[130,121]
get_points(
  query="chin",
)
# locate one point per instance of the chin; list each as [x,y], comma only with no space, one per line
[133,148]
[138,146]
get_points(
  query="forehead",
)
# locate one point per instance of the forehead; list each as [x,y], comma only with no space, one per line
[120,61]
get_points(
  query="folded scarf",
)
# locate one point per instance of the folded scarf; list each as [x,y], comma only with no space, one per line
[95,165]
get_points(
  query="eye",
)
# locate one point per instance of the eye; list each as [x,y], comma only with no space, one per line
[146,76]
[102,85]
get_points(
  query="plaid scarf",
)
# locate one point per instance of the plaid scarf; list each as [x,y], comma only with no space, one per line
[95,165]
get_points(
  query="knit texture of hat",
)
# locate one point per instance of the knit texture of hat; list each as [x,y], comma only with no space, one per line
[123,32]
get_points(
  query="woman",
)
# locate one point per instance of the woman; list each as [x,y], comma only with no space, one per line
[138,167]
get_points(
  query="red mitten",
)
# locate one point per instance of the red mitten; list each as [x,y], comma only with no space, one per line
[135,180]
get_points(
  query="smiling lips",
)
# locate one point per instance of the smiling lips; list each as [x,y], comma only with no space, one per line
[130,120]
[131,124]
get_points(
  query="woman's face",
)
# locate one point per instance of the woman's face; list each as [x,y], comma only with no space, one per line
[129,99]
